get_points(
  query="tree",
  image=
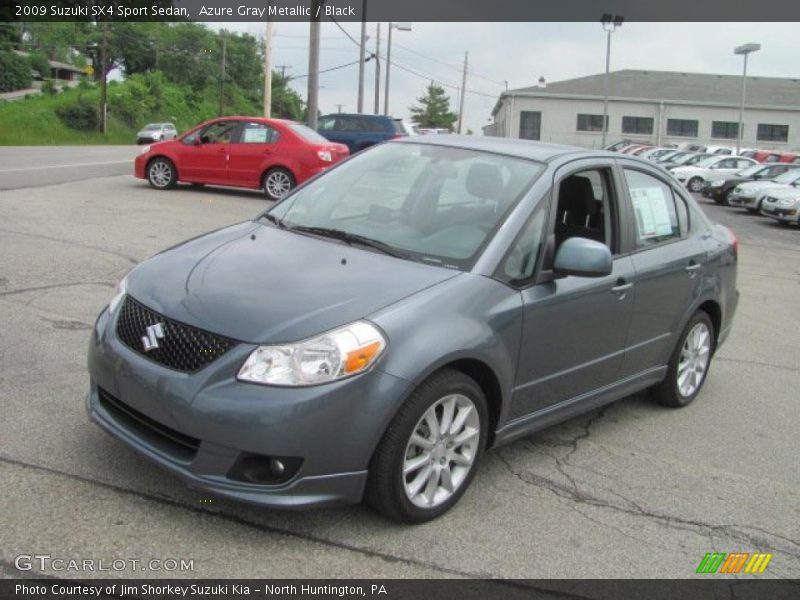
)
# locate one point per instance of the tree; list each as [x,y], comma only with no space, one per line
[286,103]
[434,109]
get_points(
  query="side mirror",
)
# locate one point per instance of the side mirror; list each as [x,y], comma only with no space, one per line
[582,257]
[757,176]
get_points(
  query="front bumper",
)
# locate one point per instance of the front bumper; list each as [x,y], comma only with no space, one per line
[787,215]
[147,139]
[332,428]
[743,201]
[715,193]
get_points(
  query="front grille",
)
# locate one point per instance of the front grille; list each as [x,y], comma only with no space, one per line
[181,446]
[182,347]
[770,199]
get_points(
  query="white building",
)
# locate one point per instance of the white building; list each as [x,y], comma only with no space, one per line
[656,107]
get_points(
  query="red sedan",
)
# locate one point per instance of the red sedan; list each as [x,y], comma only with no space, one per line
[270,154]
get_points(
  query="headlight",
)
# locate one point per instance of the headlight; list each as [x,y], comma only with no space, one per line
[144,150]
[334,355]
[119,293]
[718,183]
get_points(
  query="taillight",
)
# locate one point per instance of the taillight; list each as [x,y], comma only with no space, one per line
[734,242]
[397,135]
[325,155]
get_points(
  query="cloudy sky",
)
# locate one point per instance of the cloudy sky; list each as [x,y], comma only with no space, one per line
[520,53]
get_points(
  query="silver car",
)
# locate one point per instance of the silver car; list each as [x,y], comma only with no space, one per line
[156,132]
[750,194]
[782,205]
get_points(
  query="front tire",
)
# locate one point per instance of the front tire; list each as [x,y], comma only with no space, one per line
[430,451]
[277,183]
[696,184]
[161,173]
[689,364]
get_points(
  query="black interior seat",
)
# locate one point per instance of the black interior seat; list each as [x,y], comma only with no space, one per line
[579,213]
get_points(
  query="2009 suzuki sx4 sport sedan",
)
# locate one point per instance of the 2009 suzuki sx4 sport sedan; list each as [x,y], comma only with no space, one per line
[374,332]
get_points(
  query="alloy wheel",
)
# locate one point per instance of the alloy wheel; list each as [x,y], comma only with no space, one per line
[278,184]
[441,451]
[160,174]
[694,359]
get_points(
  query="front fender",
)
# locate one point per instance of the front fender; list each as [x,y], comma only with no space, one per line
[466,317]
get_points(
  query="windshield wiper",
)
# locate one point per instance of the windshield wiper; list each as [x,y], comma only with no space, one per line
[273,219]
[350,238]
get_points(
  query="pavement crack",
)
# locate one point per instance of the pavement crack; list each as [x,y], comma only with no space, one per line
[130,259]
[573,493]
[53,286]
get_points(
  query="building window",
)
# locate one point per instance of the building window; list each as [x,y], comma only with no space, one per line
[641,125]
[772,133]
[530,125]
[682,127]
[724,130]
[591,123]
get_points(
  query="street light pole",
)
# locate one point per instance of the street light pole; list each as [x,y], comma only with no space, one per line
[268,68]
[744,50]
[312,101]
[399,27]
[610,24]
[361,56]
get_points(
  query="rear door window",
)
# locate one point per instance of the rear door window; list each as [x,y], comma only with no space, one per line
[654,208]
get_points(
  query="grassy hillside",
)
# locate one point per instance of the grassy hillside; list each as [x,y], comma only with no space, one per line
[138,100]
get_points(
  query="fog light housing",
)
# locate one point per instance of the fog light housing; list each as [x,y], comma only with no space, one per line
[264,470]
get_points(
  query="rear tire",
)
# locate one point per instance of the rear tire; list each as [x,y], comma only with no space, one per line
[689,364]
[430,451]
[161,173]
[277,182]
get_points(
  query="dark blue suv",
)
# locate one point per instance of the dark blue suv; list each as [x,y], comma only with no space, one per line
[360,131]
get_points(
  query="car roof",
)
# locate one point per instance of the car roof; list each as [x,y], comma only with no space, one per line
[528,149]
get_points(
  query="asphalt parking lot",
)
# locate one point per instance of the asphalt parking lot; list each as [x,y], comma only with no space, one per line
[633,490]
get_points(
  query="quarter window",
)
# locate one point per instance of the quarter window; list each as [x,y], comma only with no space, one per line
[682,127]
[640,125]
[521,261]
[654,208]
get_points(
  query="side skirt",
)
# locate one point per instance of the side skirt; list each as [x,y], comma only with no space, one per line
[566,409]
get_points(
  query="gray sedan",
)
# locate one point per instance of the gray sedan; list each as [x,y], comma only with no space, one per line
[372,334]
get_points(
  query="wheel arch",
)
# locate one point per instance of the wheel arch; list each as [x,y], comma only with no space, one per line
[164,156]
[284,166]
[714,311]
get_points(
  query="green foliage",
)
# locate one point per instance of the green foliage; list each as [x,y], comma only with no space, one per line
[9,36]
[80,114]
[286,103]
[38,62]
[15,72]
[48,87]
[434,109]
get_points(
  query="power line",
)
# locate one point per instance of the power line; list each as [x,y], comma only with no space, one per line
[336,68]
[438,80]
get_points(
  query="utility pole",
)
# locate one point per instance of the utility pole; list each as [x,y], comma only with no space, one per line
[103,82]
[283,70]
[463,92]
[268,68]
[222,74]
[388,68]
[362,50]
[339,107]
[313,68]
[378,70]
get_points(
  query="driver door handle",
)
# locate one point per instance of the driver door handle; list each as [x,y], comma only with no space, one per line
[621,287]
[692,267]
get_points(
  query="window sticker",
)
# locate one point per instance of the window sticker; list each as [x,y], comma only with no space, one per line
[255,136]
[652,212]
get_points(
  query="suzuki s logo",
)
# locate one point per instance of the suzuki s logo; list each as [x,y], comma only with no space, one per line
[154,333]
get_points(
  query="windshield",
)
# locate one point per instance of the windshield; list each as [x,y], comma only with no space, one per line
[751,171]
[152,126]
[788,177]
[428,203]
[701,160]
[308,134]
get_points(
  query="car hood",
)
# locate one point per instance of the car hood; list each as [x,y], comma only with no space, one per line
[788,192]
[259,284]
[758,186]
